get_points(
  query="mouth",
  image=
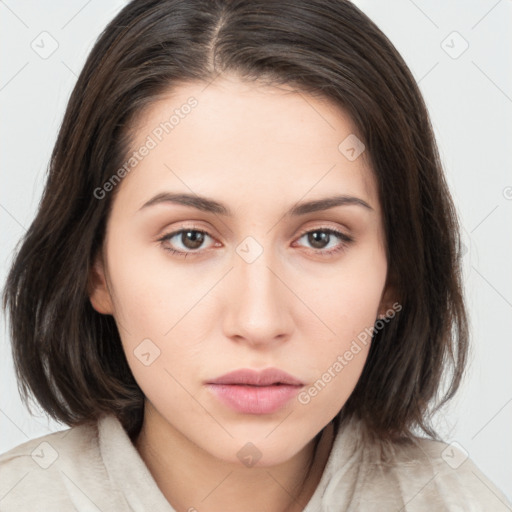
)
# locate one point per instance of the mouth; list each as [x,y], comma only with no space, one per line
[267,377]
[252,392]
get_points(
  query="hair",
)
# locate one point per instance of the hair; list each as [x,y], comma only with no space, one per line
[70,358]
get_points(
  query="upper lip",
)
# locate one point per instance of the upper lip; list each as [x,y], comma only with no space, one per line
[250,377]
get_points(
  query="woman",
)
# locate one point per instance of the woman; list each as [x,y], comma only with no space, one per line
[242,288]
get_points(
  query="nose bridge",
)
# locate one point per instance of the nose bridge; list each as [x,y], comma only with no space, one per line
[253,268]
[257,304]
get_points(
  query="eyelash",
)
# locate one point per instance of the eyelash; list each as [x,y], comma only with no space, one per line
[345,241]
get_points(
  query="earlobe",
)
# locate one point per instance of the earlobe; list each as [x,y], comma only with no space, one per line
[98,292]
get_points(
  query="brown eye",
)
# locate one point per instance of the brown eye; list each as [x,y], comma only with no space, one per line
[319,240]
[184,241]
[192,239]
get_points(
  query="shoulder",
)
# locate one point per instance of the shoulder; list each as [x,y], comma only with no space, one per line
[58,471]
[444,473]
[416,475]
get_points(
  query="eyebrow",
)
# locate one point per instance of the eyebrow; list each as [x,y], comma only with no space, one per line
[206,204]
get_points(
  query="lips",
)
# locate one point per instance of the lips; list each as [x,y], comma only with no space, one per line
[267,377]
[252,392]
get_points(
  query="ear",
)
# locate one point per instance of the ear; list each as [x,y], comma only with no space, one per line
[390,299]
[97,288]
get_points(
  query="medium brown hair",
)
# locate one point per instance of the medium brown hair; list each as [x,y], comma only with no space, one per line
[70,358]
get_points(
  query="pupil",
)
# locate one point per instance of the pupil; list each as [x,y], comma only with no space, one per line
[318,239]
[192,239]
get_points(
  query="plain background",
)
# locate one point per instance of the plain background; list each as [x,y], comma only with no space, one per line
[469,95]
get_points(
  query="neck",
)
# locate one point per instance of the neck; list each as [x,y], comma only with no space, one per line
[192,479]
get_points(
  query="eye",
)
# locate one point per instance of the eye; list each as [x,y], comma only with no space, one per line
[191,240]
[320,238]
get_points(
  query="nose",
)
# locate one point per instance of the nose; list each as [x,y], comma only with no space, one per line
[258,306]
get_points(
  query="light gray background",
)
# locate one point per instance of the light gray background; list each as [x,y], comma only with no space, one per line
[470,101]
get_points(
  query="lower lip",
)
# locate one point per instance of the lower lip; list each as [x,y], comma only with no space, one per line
[254,399]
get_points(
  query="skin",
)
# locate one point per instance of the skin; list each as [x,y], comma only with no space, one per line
[259,150]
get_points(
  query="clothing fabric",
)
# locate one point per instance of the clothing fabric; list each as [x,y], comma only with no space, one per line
[96,467]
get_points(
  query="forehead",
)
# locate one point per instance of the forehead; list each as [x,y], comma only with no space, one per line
[233,139]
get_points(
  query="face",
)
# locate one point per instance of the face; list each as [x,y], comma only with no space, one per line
[247,283]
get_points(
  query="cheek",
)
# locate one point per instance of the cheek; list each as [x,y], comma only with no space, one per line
[151,294]
[347,305]
[345,297]
[160,315]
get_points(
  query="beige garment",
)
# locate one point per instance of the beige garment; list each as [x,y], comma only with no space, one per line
[96,467]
